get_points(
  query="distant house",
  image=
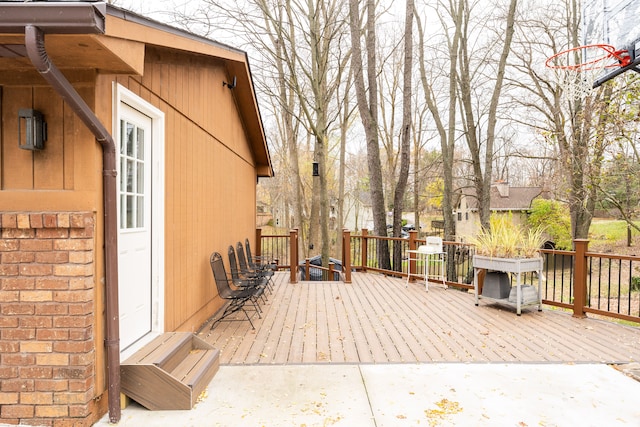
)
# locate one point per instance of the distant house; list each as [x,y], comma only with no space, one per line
[503,200]
[153,147]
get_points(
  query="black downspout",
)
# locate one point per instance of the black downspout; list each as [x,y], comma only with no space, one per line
[34,41]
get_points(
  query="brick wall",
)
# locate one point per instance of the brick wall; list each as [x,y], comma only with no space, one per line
[47,355]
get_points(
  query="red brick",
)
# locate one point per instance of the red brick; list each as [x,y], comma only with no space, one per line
[18,233]
[73,398]
[80,257]
[78,411]
[81,385]
[18,334]
[81,283]
[8,322]
[33,372]
[52,411]
[9,398]
[73,296]
[50,220]
[81,334]
[36,220]
[41,322]
[36,347]
[8,270]
[18,283]
[36,245]
[52,233]
[9,296]
[23,221]
[19,359]
[81,233]
[51,283]
[81,308]
[16,384]
[9,245]
[52,334]
[73,245]
[51,385]
[73,270]
[9,347]
[71,373]
[76,220]
[71,322]
[9,220]
[82,359]
[36,398]
[36,270]
[46,309]
[36,296]
[17,257]
[63,220]
[8,372]
[17,411]
[72,346]
[53,359]
[17,309]
[54,257]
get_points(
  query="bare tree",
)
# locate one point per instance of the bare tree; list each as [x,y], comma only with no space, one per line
[368,109]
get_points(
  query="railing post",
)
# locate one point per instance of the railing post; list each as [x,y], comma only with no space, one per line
[580,277]
[307,268]
[363,252]
[346,255]
[258,249]
[411,268]
[331,265]
[293,251]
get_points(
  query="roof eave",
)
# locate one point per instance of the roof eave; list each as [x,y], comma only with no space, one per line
[73,18]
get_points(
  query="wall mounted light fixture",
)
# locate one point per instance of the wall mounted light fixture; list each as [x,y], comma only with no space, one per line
[316,171]
[230,85]
[32,129]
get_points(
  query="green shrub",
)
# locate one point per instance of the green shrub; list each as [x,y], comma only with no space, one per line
[553,217]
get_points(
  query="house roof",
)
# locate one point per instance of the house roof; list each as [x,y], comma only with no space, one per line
[515,199]
[100,37]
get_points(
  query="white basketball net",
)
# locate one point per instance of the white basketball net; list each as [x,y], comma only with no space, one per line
[578,68]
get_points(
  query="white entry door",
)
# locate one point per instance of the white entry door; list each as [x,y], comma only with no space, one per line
[135,225]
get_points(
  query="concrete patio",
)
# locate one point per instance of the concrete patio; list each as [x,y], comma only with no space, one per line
[377,353]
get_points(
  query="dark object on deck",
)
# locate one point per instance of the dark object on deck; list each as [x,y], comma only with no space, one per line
[496,285]
[316,274]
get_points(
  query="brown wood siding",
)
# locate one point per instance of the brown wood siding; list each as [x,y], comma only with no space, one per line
[210,177]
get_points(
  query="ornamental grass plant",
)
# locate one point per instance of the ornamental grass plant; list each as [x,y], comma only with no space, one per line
[504,239]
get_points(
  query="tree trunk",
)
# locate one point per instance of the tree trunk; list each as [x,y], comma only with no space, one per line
[369,115]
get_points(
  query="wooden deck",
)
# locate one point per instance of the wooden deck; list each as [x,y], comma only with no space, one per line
[376,319]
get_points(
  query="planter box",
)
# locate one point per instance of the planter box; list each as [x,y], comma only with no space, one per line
[508,265]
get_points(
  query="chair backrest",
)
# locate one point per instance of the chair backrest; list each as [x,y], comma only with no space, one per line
[249,256]
[220,275]
[241,258]
[233,265]
[434,244]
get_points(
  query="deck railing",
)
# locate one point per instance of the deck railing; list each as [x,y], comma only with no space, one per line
[578,280]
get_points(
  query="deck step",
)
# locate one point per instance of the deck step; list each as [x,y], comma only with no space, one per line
[170,372]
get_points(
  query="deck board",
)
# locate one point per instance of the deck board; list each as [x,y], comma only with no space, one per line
[377,319]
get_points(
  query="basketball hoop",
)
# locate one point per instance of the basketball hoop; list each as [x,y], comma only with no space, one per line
[577,68]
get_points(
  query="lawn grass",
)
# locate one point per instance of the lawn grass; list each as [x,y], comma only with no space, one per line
[604,231]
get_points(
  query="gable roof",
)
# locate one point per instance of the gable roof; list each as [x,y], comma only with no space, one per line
[515,199]
[107,39]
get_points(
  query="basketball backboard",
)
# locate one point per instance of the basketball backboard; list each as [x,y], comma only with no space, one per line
[616,23]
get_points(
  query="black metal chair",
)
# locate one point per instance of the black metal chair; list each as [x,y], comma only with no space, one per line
[237,298]
[246,279]
[244,266]
[259,262]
